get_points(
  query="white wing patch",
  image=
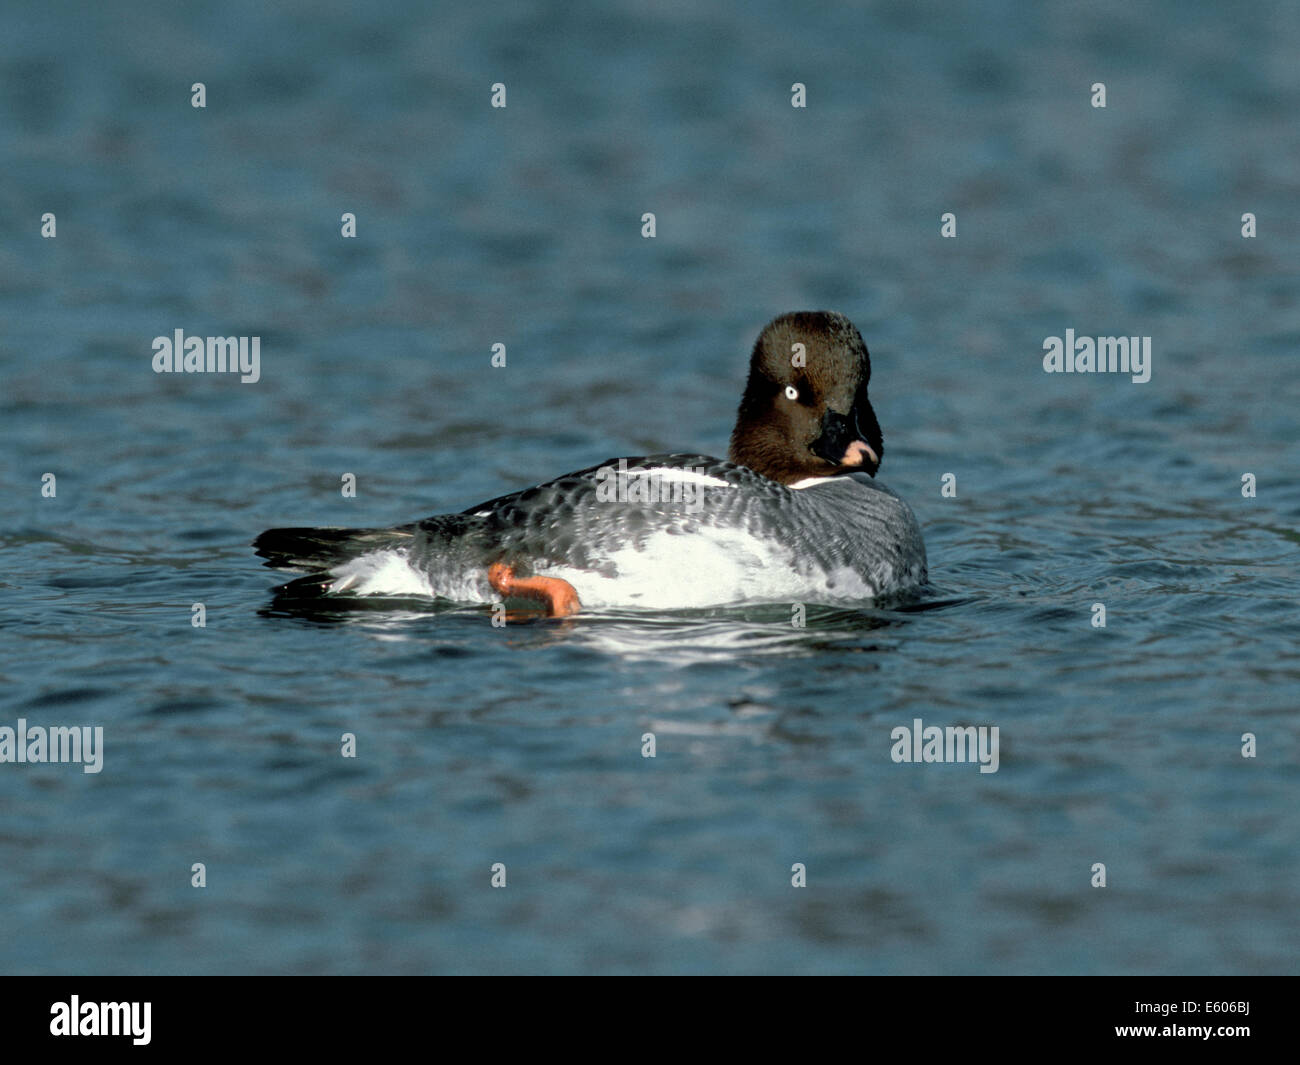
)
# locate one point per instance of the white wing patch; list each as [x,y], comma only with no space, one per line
[669,473]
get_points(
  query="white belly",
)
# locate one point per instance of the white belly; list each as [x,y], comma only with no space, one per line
[676,572]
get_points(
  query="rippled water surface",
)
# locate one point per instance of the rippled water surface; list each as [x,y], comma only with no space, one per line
[522,226]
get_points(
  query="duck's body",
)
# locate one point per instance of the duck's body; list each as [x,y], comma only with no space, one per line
[667,532]
[685,531]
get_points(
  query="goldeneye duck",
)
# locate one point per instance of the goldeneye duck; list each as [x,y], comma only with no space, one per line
[794,515]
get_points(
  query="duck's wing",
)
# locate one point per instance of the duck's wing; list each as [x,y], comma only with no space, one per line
[582,518]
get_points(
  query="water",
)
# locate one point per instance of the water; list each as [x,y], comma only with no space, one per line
[522,226]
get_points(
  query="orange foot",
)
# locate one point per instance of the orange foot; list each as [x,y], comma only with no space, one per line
[559,595]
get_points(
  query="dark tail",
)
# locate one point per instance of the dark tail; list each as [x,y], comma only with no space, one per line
[315,550]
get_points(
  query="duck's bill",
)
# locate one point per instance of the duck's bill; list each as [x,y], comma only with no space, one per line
[859,453]
[842,444]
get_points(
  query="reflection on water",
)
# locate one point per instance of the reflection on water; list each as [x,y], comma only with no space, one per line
[668,638]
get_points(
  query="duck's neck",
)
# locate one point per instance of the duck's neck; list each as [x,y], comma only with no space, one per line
[771,459]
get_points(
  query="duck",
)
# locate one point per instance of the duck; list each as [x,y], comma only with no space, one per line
[792,515]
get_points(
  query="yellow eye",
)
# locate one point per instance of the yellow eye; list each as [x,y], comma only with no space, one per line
[791,392]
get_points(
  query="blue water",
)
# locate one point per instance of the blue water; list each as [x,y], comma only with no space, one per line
[522,226]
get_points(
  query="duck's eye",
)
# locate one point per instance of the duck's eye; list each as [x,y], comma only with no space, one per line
[791,392]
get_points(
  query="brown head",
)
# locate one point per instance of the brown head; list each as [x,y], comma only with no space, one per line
[806,413]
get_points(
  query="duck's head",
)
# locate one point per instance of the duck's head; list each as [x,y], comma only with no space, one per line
[805,411]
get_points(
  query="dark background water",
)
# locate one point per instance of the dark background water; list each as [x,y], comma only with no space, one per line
[522,226]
